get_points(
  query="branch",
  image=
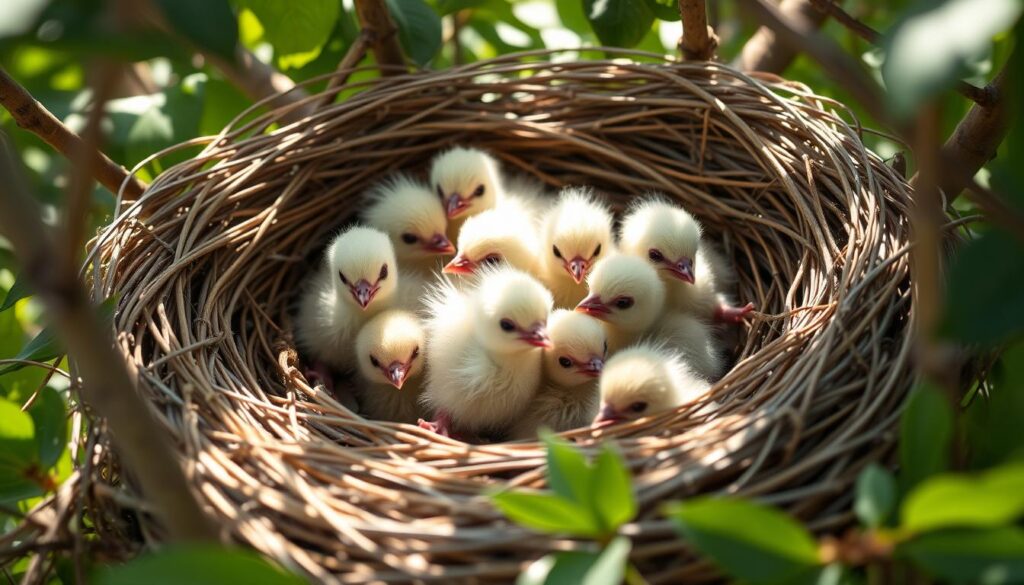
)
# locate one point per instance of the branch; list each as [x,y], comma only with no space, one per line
[257,81]
[30,115]
[352,57]
[765,52]
[106,384]
[699,40]
[375,19]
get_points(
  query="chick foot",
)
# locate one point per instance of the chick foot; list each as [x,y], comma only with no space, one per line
[441,426]
[729,314]
[320,373]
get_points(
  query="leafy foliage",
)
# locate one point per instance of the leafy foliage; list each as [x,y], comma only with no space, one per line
[196,565]
[419,29]
[875,496]
[925,434]
[619,23]
[210,24]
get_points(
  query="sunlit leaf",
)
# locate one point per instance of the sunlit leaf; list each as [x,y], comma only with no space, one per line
[572,16]
[45,346]
[994,498]
[18,453]
[195,565]
[295,28]
[990,556]
[419,29]
[18,291]
[926,428]
[210,24]
[546,513]
[568,473]
[613,493]
[875,497]
[51,429]
[619,23]
[580,568]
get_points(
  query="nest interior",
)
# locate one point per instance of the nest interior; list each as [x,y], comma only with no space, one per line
[208,263]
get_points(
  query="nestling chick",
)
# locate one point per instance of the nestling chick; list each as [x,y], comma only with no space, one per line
[485,350]
[467,181]
[567,398]
[413,217]
[577,231]
[695,275]
[506,234]
[644,380]
[357,280]
[390,352]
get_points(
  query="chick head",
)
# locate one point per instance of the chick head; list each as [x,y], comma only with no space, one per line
[390,347]
[637,382]
[666,235]
[362,262]
[512,310]
[625,292]
[577,232]
[412,216]
[467,181]
[490,239]
[578,349]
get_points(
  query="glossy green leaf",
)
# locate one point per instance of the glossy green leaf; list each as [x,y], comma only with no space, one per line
[45,346]
[619,23]
[572,16]
[419,29]
[19,290]
[546,513]
[51,428]
[295,27]
[994,498]
[613,497]
[568,473]
[993,421]
[990,556]
[749,541]
[926,429]
[580,568]
[668,11]
[196,565]
[875,497]
[210,24]
[18,453]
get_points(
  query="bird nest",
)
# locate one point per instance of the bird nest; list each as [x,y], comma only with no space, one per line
[207,264]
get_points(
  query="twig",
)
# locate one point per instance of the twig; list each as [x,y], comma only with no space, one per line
[29,114]
[257,81]
[765,52]
[699,40]
[107,386]
[352,57]
[375,19]
[996,210]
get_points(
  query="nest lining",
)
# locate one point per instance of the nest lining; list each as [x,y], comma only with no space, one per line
[208,262]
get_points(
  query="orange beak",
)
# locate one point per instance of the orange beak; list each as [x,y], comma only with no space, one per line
[593,306]
[577,269]
[459,265]
[438,244]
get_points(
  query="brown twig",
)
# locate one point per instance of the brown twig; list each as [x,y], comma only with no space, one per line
[765,52]
[375,19]
[352,57]
[107,386]
[30,115]
[699,41]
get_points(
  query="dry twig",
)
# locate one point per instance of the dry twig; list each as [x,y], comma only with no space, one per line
[699,40]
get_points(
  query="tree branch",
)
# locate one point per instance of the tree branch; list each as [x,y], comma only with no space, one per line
[699,41]
[257,81]
[352,57]
[30,115]
[107,387]
[375,19]
[764,51]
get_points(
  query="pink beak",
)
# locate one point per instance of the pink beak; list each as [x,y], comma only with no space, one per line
[364,292]
[536,336]
[608,415]
[683,270]
[577,268]
[439,244]
[593,306]
[459,265]
[592,368]
[456,206]
[396,373]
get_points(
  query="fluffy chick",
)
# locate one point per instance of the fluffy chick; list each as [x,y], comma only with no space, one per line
[567,398]
[644,380]
[499,235]
[695,274]
[413,218]
[390,353]
[357,280]
[485,350]
[576,232]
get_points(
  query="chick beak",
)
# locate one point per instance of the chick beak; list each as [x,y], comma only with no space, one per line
[396,373]
[608,415]
[536,336]
[593,306]
[592,368]
[577,268]
[439,244]
[456,206]
[363,292]
[459,265]
[683,270]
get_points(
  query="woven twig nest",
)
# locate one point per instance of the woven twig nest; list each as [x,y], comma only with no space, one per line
[208,263]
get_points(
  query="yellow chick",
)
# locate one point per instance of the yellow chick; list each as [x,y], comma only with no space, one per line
[644,380]
[695,274]
[390,352]
[414,219]
[567,398]
[485,346]
[577,231]
[505,234]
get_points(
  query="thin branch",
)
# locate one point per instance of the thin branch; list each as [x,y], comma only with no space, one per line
[30,115]
[352,57]
[107,386]
[765,52]
[257,81]
[375,19]
[699,41]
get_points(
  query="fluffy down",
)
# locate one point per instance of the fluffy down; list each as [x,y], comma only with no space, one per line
[391,353]
[414,219]
[577,232]
[505,234]
[644,380]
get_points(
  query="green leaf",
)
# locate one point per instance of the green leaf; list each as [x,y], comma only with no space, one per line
[993,421]
[926,429]
[986,290]
[931,48]
[196,565]
[749,541]
[419,29]
[954,501]
[210,24]
[613,494]
[875,496]
[572,16]
[619,23]
[295,28]
[580,568]
[19,290]
[568,473]
[18,454]
[990,556]
[45,346]
[664,10]
[546,513]
[51,426]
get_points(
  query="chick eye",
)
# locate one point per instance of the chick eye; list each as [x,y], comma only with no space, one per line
[383,272]
[415,353]
[342,277]
[479,191]
[492,259]
[556,251]
[638,406]
[606,348]
[655,255]
[440,192]
[507,325]
[624,302]
[374,362]
[597,251]
[410,238]
[565,362]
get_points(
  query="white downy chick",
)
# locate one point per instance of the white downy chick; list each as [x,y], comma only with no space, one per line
[467,181]
[357,280]
[695,274]
[626,293]
[644,380]
[485,346]
[577,231]
[391,352]
[413,217]
[505,234]
[567,398]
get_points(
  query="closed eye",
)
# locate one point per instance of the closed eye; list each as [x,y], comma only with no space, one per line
[597,251]
[342,277]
